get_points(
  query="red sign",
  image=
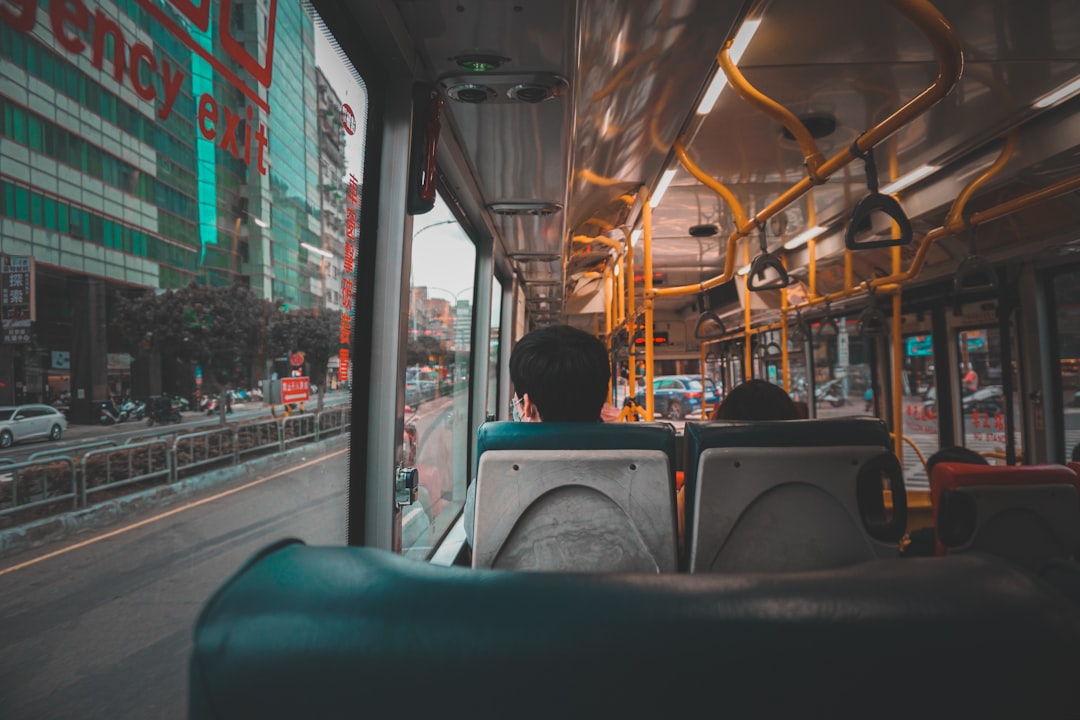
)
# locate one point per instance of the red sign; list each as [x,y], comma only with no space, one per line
[295,390]
[296,359]
[348,119]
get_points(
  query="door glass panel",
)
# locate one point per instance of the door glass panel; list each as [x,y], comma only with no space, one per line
[493,353]
[920,404]
[1067,299]
[841,370]
[982,395]
[437,376]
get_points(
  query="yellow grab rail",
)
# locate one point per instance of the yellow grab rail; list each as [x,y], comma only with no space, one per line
[950,60]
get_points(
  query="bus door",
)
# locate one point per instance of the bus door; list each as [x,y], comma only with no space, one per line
[920,407]
[984,383]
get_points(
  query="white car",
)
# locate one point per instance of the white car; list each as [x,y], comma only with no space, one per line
[30,422]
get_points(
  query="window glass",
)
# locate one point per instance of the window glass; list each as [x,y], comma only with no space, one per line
[438,350]
[920,404]
[842,376]
[140,260]
[496,344]
[1067,316]
[982,394]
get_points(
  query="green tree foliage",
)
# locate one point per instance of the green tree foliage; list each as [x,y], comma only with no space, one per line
[315,334]
[215,327]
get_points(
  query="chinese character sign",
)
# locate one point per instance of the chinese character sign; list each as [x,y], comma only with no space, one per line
[16,297]
[352,213]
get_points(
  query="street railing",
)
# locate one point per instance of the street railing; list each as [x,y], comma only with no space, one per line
[74,449]
[124,465]
[299,427]
[196,449]
[52,476]
[25,485]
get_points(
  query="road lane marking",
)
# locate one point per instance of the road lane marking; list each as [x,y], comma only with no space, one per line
[169,513]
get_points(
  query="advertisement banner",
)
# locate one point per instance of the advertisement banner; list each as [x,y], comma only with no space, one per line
[16,298]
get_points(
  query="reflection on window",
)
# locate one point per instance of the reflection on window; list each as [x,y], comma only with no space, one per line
[1067,299]
[493,352]
[436,382]
[842,377]
[920,403]
[982,394]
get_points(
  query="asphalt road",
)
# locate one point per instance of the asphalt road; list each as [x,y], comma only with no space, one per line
[193,421]
[103,627]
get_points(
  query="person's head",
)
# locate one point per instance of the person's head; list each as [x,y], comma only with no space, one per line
[954,454]
[560,374]
[757,400]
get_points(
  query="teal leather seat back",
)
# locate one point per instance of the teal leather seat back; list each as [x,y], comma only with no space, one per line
[575,496]
[790,495]
[306,632]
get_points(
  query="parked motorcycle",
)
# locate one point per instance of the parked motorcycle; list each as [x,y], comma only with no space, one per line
[164,410]
[110,414]
[831,392]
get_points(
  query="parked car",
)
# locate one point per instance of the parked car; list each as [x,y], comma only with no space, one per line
[30,422]
[677,396]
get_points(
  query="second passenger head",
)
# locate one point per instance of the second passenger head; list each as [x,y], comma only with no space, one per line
[757,400]
[560,374]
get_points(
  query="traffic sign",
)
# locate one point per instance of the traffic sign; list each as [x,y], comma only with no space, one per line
[294,390]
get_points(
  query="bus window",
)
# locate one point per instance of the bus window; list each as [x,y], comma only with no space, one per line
[437,376]
[1067,313]
[982,394]
[495,341]
[920,402]
[841,370]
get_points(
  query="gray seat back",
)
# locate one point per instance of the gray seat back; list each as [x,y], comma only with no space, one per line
[791,495]
[602,508]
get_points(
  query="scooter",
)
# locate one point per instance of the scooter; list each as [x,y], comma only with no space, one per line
[110,414]
[831,392]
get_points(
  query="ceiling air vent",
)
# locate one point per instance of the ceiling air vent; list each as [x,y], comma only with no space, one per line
[525,208]
[471,93]
[533,93]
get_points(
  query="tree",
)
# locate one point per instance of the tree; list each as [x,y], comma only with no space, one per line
[217,328]
[316,335]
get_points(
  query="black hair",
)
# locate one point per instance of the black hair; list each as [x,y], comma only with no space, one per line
[757,400]
[564,371]
[1076,453]
[955,454]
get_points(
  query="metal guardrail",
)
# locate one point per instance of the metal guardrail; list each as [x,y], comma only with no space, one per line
[108,465]
[213,445]
[145,471]
[13,482]
[263,434]
[333,420]
[71,450]
[306,427]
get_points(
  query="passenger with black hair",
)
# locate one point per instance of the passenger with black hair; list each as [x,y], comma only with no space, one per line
[559,374]
[921,543]
[757,400]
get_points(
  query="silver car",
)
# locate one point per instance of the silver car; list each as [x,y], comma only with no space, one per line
[30,422]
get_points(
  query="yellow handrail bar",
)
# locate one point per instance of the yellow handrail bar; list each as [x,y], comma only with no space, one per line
[950,61]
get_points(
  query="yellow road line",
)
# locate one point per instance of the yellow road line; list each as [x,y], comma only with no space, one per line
[170,513]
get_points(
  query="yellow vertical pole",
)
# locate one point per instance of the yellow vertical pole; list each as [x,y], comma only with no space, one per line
[898,388]
[785,370]
[609,299]
[704,390]
[811,244]
[631,324]
[748,355]
[646,218]
[621,291]
[848,281]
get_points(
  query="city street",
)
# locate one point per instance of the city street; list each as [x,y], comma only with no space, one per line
[102,628]
[193,421]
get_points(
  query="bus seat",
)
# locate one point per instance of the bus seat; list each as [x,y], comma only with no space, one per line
[1027,514]
[334,632]
[791,495]
[575,496]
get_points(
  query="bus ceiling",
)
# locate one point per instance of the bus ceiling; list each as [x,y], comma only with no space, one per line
[564,110]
